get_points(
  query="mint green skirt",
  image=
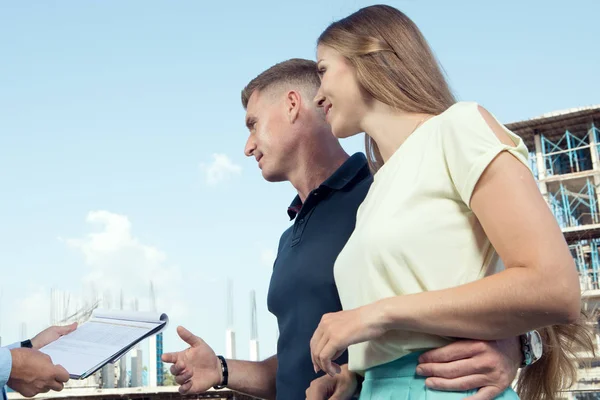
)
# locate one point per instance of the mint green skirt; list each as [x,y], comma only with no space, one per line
[397,380]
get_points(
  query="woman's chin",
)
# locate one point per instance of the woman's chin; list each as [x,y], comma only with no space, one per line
[342,133]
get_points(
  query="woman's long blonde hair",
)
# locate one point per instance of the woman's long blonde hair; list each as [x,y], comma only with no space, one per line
[396,66]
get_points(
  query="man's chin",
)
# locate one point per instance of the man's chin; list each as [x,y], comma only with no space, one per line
[273,178]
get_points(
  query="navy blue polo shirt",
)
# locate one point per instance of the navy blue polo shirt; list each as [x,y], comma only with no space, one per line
[302,286]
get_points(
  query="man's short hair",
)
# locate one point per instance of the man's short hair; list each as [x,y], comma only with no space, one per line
[294,71]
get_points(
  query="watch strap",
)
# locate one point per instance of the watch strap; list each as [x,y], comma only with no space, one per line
[526,349]
[529,356]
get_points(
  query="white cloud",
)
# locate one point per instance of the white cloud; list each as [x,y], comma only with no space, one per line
[118,262]
[267,258]
[220,170]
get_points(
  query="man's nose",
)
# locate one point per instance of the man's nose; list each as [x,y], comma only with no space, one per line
[319,99]
[250,147]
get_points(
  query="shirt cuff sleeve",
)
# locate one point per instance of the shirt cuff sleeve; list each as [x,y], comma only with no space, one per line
[5,365]
[14,346]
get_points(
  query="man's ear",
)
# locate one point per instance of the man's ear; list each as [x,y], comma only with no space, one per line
[293,102]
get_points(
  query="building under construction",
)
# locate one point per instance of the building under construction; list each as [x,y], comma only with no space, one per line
[565,159]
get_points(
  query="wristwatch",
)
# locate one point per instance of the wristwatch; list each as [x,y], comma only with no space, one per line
[26,343]
[532,348]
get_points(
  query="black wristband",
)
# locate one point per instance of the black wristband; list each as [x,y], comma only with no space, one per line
[225,372]
[26,343]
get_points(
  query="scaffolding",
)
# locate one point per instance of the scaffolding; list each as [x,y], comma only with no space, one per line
[568,173]
[585,254]
[160,370]
[564,158]
[565,162]
[575,208]
[570,154]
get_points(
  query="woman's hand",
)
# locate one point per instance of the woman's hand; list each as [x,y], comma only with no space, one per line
[338,330]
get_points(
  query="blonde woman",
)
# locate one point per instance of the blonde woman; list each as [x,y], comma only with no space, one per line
[452,196]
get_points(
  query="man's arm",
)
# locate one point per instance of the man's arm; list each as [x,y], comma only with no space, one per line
[198,369]
[6,363]
[253,378]
[490,367]
[33,372]
[30,372]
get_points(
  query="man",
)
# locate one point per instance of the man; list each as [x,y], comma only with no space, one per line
[291,141]
[27,370]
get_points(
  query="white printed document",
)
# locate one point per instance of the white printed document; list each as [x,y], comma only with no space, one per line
[103,339]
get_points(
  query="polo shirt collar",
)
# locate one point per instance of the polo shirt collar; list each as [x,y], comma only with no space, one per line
[344,175]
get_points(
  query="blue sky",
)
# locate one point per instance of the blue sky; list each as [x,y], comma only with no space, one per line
[122,136]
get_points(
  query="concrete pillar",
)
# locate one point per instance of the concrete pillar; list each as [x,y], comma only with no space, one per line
[254,354]
[123,372]
[108,376]
[136,369]
[541,167]
[152,361]
[230,344]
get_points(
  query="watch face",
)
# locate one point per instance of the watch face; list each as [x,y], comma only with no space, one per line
[536,344]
